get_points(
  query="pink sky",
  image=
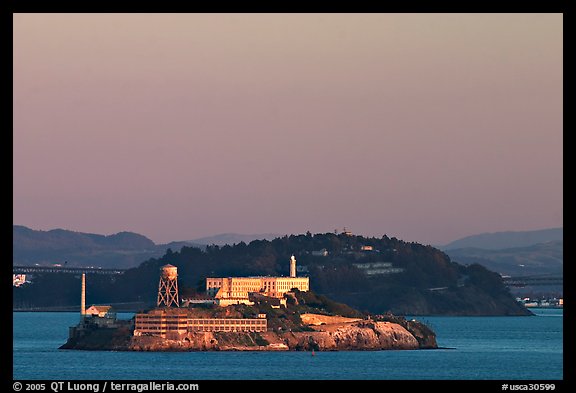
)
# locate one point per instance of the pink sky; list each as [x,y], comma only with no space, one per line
[427,127]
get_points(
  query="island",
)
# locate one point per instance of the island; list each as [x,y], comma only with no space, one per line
[245,314]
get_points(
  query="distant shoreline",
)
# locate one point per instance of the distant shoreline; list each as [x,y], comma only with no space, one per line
[545,307]
[66,310]
[411,315]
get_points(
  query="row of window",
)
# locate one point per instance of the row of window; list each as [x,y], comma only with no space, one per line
[209,328]
[227,322]
[184,322]
[145,329]
[200,326]
[262,327]
[183,318]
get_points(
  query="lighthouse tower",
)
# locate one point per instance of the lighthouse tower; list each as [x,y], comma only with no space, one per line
[168,287]
[292,266]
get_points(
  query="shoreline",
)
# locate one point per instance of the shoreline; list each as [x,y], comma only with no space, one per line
[64,310]
[362,335]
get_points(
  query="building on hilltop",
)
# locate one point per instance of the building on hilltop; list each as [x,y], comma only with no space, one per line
[320,253]
[168,320]
[237,290]
[378,268]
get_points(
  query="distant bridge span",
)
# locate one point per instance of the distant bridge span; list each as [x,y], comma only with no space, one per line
[64,269]
[525,281]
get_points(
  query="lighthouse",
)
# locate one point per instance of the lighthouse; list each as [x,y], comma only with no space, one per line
[292,266]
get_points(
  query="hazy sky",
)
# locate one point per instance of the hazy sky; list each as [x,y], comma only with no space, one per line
[427,127]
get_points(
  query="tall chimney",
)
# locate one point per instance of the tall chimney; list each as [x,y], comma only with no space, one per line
[292,266]
[83,297]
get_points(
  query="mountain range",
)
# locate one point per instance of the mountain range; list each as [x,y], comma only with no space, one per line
[537,259]
[120,250]
[506,240]
[510,253]
[416,279]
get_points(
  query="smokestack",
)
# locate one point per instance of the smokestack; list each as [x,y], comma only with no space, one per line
[292,266]
[83,297]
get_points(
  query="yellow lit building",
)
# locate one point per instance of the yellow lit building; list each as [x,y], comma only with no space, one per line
[235,290]
[167,323]
[227,325]
[174,323]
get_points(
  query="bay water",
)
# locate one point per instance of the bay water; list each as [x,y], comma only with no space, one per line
[522,348]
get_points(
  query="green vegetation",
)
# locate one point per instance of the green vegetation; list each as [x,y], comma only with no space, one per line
[309,302]
[427,281]
[283,318]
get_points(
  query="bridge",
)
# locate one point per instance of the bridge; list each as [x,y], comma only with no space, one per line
[528,281]
[119,307]
[64,269]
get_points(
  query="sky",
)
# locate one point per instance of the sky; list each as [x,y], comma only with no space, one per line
[427,127]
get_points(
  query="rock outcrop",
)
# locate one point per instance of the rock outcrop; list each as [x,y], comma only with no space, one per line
[362,335]
[359,335]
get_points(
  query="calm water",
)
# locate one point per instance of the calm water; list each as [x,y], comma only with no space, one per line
[483,348]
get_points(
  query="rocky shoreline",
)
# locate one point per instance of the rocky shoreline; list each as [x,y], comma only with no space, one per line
[348,336]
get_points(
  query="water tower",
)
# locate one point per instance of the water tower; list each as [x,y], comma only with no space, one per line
[168,287]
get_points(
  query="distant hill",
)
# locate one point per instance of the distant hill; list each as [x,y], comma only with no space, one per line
[504,240]
[233,238]
[542,258]
[120,250]
[370,274]
[60,246]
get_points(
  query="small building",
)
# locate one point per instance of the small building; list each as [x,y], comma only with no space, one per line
[366,248]
[227,301]
[260,298]
[186,302]
[378,268]
[101,312]
[18,280]
[320,253]
[103,316]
